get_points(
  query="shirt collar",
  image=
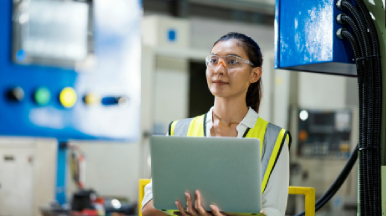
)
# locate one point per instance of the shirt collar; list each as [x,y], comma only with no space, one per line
[249,120]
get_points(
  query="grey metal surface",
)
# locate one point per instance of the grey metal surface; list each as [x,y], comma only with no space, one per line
[266,7]
[56,33]
[225,170]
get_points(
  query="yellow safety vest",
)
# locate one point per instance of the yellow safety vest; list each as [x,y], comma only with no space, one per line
[271,136]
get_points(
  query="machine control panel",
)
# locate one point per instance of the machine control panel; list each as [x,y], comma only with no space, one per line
[324,134]
[70,69]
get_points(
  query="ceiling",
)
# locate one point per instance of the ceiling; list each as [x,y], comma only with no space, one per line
[262,6]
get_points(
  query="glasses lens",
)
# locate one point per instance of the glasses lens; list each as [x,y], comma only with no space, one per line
[233,62]
[211,60]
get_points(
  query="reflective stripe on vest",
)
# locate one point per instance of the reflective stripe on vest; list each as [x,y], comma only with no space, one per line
[188,127]
[271,136]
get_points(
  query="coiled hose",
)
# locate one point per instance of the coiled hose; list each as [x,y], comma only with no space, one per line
[369,176]
[366,171]
[376,58]
[366,111]
[361,89]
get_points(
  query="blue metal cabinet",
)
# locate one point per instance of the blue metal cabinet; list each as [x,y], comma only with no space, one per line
[305,38]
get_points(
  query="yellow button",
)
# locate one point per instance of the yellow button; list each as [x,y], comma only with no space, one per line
[67,97]
[91,99]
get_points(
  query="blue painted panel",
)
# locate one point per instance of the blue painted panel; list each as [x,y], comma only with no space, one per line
[305,38]
[116,72]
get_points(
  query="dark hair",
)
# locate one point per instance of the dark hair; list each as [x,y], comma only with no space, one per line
[254,93]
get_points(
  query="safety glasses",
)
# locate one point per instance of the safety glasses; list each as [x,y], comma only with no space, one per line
[229,61]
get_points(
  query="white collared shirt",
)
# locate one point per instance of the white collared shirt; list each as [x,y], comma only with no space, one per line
[274,198]
[249,121]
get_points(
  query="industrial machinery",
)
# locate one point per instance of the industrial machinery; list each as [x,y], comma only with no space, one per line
[70,70]
[322,143]
[343,38]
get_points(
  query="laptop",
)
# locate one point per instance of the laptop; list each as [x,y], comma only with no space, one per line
[225,170]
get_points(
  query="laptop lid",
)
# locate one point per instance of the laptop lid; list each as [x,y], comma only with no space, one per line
[225,170]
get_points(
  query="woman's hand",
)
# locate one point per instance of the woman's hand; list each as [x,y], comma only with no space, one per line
[198,209]
[262,211]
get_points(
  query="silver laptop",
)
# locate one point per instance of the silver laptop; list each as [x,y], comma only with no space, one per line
[225,170]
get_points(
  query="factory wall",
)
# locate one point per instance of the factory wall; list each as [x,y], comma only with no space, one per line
[320,91]
[170,92]
[205,32]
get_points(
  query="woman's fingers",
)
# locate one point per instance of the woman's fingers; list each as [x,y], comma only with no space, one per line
[189,205]
[216,210]
[200,210]
[262,211]
[181,209]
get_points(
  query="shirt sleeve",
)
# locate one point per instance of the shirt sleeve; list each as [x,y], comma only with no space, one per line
[148,194]
[274,199]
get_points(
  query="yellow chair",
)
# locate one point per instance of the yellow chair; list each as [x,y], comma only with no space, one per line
[307,191]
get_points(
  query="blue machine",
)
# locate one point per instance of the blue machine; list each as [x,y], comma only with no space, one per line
[305,38]
[70,70]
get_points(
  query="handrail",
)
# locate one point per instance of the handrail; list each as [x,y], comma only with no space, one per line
[309,199]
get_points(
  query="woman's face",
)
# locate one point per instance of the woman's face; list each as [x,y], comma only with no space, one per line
[225,82]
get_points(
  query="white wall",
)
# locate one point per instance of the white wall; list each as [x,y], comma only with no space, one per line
[147,107]
[280,110]
[320,91]
[204,32]
[171,91]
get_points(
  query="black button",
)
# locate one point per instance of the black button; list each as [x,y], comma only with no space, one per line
[15,94]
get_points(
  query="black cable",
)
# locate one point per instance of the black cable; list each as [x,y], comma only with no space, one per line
[378,101]
[368,180]
[343,20]
[360,65]
[371,150]
[350,22]
[370,24]
[365,85]
[378,104]
[360,23]
[374,127]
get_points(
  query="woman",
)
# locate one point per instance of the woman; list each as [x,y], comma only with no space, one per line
[234,77]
